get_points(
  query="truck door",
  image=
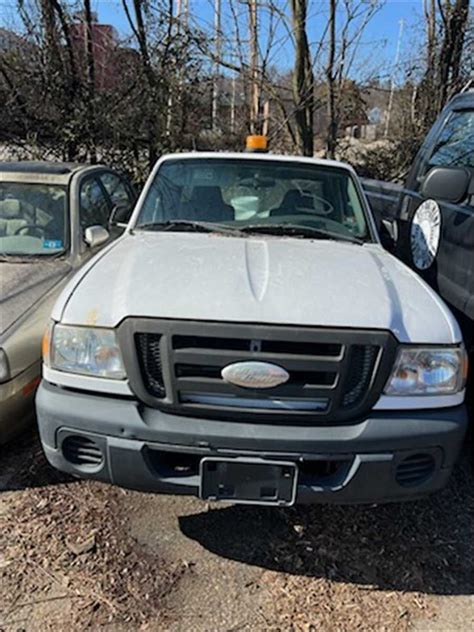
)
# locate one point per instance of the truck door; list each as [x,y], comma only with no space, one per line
[437,237]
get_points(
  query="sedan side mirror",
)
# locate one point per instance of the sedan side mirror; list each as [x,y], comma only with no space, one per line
[388,232]
[446,183]
[120,215]
[95,236]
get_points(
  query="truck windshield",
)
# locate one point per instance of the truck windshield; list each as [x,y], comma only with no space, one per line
[238,194]
[33,219]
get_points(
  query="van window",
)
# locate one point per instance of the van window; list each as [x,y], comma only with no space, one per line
[455,144]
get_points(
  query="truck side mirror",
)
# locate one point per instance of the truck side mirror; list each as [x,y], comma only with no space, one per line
[95,236]
[388,232]
[120,215]
[446,183]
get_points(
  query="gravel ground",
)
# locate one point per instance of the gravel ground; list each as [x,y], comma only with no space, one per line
[84,555]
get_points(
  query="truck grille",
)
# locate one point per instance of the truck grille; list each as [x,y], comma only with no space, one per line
[334,375]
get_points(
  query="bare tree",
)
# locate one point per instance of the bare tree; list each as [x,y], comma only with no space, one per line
[343,49]
[454,16]
[90,80]
[331,81]
[447,24]
[303,80]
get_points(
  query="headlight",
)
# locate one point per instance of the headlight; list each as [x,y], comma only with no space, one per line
[85,350]
[4,367]
[425,371]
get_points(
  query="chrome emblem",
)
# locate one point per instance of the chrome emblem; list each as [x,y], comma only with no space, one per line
[255,374]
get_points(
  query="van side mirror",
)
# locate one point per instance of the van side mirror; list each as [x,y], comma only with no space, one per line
[95,236]
[120,215]
[388,232]
[446,183]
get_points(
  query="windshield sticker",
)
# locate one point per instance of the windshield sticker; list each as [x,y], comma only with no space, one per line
[53,244]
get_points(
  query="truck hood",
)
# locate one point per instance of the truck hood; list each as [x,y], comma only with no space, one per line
[24,284]
[291,281]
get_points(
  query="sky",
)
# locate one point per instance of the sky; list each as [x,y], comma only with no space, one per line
[383,30]
[379,41]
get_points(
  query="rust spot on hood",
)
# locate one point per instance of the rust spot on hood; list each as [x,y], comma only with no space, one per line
[92,315]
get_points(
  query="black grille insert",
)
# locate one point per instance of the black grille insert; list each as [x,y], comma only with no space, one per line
[80,450]
[362,364]
[149,357]
[270,346]
[415,469]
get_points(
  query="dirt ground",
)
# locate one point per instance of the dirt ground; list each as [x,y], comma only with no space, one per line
[78,555]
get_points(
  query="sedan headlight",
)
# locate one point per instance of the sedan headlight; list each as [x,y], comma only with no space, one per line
[89,351]
[4,367]
[428,371]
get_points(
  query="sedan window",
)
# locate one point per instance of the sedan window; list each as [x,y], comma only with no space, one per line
[94,205]
[116,188]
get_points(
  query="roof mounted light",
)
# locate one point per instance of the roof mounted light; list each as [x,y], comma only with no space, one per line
[256,143]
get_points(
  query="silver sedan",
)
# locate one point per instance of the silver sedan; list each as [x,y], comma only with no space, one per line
[53,218]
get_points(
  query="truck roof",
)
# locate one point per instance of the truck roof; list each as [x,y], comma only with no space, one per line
[321,162]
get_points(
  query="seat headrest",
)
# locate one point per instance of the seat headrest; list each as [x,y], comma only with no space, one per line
[292,198]
[307,201]
[10,209]
[211,196]
[295,199]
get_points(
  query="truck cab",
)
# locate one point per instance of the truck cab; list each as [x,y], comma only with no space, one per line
[249,339]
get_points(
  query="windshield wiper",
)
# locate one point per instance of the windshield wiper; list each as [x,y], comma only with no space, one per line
[294,230]
[188,226]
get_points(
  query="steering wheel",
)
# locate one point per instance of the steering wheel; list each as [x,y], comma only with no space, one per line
[327,209]
[35,228]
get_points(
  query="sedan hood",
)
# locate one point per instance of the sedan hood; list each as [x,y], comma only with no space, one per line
[288,281]
[23,284]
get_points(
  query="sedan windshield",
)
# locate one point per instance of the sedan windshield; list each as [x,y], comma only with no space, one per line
[273,197]
[33,219]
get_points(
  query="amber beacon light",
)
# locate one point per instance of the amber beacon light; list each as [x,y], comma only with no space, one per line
[256,143]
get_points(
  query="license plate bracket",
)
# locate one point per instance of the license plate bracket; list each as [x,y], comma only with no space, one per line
[248,481]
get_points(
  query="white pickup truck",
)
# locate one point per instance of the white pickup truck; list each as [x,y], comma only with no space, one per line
[249,339]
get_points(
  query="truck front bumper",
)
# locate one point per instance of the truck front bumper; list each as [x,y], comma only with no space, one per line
[389,456]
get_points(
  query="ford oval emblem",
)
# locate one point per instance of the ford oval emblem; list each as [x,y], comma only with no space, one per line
[255,374]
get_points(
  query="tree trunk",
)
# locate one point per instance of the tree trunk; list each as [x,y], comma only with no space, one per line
[303,81]
[255,123]
[331,141]
[455,20]
[50,40]
[430,16]
[90,75]
[141,35]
